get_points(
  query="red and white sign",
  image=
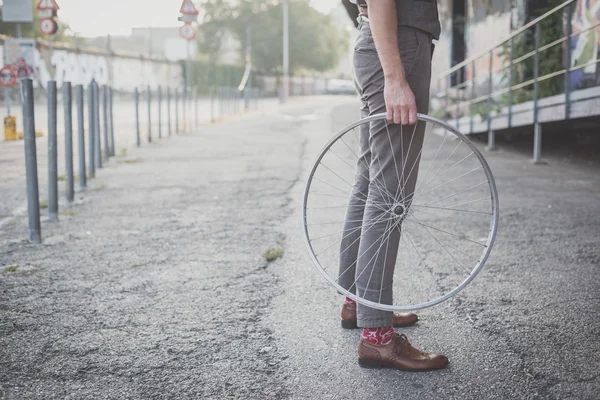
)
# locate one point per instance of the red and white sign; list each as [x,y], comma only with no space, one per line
[8,76]
[188,8]
[48,26]
[47,5]
[187,32]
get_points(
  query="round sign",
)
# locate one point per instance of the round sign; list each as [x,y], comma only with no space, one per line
[48,26]
[187,32]
[8,76]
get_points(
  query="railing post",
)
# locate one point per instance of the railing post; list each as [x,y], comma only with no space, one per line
[136,99]
[473,84]
[169,110]
[105,120]
[68,106]
[159,94]
[537,129]
[97,135]
[510,82]
[52,153]
[176,110]
[33,198]
[196,107]
[184,101]
[567,81]
[149,94]
[212,104]
[112,122]
[92,144]
[491,138]
[81,135]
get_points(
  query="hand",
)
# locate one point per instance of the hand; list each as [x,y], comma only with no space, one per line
[400,102]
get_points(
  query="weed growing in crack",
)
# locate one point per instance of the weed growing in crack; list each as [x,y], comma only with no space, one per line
[273,254]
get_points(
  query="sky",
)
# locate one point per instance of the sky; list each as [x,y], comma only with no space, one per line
[117,17]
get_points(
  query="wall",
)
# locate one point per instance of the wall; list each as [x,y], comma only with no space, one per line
[122,72]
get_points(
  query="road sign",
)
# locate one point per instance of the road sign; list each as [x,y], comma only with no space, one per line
[47,5]
[8,76]
[46,14]
[188,8]
[187,32]
[188,18]
[48,26]
[17,11]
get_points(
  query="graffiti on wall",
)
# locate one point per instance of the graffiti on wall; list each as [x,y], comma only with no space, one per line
[122,73]
[585,45]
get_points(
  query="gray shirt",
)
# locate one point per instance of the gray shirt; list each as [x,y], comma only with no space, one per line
[420,14]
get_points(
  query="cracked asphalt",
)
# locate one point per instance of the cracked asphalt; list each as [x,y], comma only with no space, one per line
[152,286]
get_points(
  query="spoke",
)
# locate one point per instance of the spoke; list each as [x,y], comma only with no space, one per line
[405,159]
[455,194]
[427,267]
[355,261]
[455,205]
[388,230]
[419,156]
[351,185]
[437,172]
[360,160]
[384,263]
[434,158]
[444,247]
[350,231]
[330,185]
[452,209]
[380,219]
[394,155]
[373,182]
[450,181]
[375,256]
[326,207]
[443,231]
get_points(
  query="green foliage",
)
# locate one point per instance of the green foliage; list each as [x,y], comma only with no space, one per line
[551,59]
[315,42]
[32,30]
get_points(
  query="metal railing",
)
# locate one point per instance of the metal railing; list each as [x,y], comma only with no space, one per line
[465,95]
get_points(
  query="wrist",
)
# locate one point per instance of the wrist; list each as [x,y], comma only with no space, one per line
[394,76]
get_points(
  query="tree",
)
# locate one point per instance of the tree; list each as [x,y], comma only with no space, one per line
[32,30]
[315,42]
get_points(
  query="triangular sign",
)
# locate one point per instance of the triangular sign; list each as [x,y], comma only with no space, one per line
[187,8]
[47,5]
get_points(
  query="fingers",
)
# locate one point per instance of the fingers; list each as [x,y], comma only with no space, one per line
[402,114]
[412,115]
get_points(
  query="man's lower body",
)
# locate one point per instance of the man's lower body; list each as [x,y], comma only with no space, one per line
[385,179]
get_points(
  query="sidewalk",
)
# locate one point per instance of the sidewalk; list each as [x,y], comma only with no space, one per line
[153,285]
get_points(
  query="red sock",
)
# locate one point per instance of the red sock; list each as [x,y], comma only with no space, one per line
[379,336]
[349,301]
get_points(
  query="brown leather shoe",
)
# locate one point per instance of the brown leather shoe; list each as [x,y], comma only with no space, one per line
[400,354]
[400,320]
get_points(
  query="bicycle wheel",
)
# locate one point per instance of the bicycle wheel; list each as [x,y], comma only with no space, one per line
[441,233]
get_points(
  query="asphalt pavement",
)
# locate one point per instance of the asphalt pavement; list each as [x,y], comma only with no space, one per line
[153,284]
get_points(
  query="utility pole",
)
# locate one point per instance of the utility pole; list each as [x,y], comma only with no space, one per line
[286,50]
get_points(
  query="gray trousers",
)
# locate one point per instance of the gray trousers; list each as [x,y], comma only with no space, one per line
[383,178]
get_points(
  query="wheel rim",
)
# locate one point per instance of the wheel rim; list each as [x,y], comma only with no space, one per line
[417,215]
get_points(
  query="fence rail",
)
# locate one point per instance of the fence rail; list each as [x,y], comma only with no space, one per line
[499,85]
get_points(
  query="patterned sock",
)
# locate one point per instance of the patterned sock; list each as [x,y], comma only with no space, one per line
[379,336]
[349,301]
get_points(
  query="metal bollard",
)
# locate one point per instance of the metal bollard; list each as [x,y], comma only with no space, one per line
[169,110]
[81,134]
[136,100]
[211,96]
[112,122]
[196,106]
[160,112]
[149,92]
[184,99]
[33,199]
[97,138]
[52,153]
[68,104]
[105,120]
[176,110]
[92,150]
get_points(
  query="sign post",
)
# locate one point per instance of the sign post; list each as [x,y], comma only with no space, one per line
[189,15]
